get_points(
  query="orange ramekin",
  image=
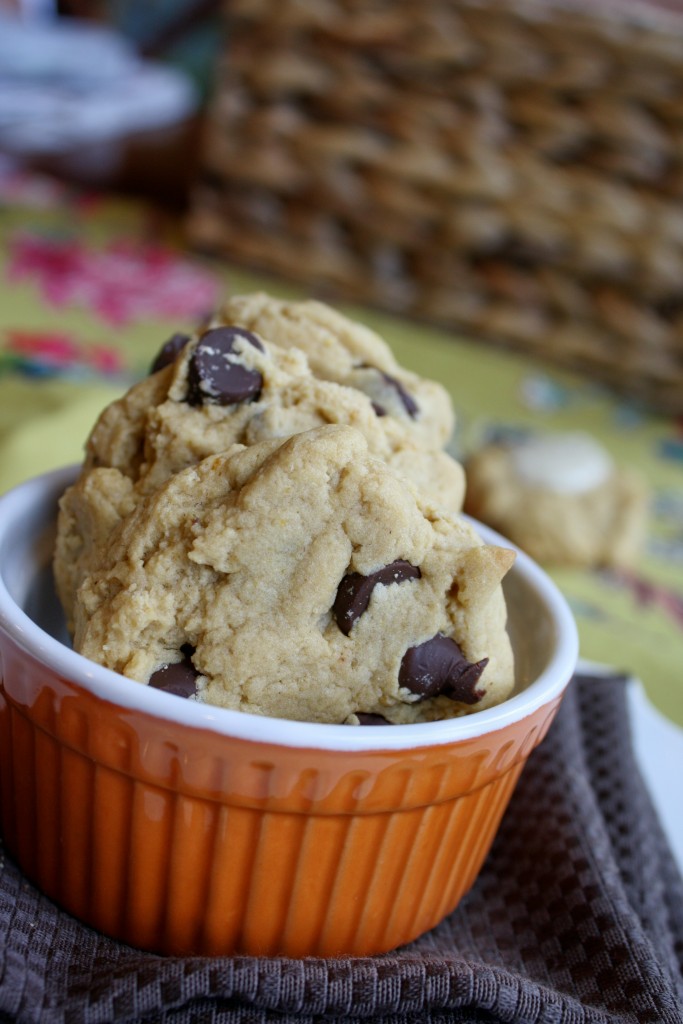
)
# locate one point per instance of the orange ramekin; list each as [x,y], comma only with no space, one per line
[188,829]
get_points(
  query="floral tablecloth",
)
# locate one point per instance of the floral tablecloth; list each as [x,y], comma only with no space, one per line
[91,286]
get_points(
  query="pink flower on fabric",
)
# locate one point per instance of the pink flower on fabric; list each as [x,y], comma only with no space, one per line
[123,282]
[53,348]
[647,593]
[58,352]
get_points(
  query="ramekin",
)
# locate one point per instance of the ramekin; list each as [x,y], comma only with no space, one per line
[187,829]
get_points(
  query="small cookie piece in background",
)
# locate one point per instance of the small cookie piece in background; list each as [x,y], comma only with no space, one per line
[559,497]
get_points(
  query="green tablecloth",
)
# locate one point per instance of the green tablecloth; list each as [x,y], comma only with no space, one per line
[90,287]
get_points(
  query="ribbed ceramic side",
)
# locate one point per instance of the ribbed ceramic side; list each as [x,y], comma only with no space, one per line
[283,851]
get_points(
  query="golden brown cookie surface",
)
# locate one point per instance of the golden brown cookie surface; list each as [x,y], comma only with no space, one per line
[302,579]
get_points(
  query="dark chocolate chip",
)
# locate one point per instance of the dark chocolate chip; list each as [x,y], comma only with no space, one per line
[355,590]
[179,678]
[169,352]
[438,668]
[409,403]
[369,718]
[407,400]
[215,379]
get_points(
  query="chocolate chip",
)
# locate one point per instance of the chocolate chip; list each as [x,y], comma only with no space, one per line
[406,399]
[438,668]
[214,378]
[169,352]
[409,403]
[355,590]
[369,718]
[179,678]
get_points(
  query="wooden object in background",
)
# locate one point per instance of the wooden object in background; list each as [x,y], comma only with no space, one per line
[512,170]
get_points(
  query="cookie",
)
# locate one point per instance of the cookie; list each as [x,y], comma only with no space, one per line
[561,498]
[349,353]
[221,387]
[172,419]
[301,578]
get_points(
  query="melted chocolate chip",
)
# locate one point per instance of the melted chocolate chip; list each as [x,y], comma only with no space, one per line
[179,678]
[409,403]
[369,718]
[169,352]
[407,400]
[438,668]
[215,379]
[355,590]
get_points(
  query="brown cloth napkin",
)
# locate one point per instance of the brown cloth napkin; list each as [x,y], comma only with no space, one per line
[577,917]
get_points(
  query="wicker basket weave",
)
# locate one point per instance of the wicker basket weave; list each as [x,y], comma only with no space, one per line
[511,169]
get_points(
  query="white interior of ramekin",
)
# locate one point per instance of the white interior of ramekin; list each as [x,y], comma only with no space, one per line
[538,615]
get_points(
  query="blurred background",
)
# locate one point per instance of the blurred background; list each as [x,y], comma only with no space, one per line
[513,168]
[108,94]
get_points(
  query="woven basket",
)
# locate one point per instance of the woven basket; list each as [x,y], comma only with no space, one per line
[511,170]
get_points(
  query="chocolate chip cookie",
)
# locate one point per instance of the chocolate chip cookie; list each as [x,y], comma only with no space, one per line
[302,578]
[345,351]
[225,385]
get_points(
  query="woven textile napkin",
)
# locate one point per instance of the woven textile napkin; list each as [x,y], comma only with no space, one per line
[576,917]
